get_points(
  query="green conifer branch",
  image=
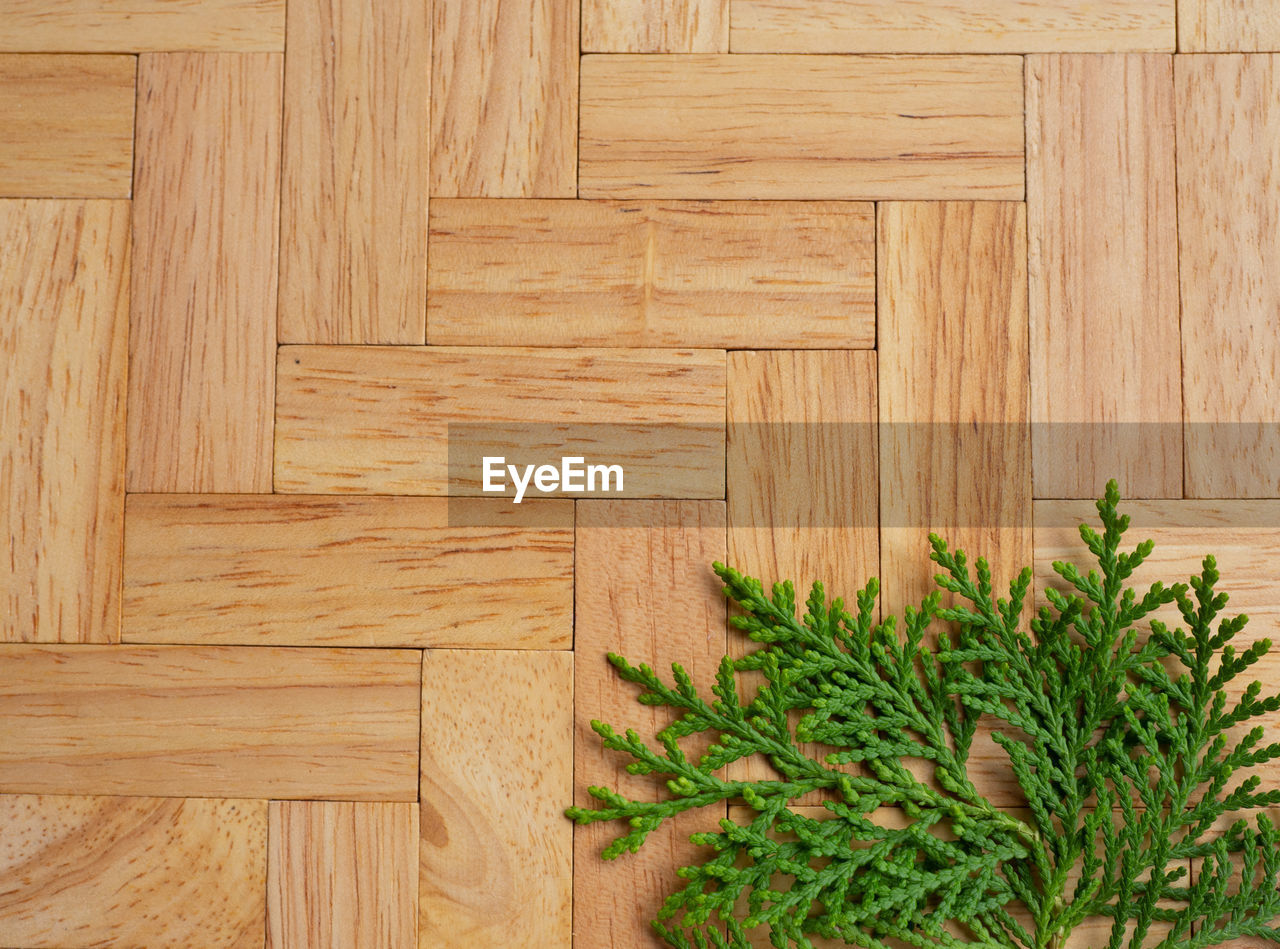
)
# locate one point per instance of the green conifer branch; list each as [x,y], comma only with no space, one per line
[1117,729]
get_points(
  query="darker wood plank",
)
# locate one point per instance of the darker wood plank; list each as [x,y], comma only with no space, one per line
[644,589]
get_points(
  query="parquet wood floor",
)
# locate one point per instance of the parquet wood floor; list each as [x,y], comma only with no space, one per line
[821,275]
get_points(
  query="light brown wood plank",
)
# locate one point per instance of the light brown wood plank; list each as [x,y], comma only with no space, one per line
[1102,221]
[644,589]
[802,480]
[950,26]
[649,273]
[1228,110]
[64,311]
[504,83]
[342,874]
[1244,538]
[205,234]
[740,126]
[210,721]
[354,189]
[1228,26]
[953,390]
[496,848]
[135,26]
[310,571]
[802,476]
[365,419]
[131,871]
[655,26]
[68,125]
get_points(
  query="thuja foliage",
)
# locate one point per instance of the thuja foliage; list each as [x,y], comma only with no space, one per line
[1127,738]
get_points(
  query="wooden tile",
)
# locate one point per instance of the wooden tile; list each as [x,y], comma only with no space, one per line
[950,26]
[63,322]
[870,127]
[504,80]
[1244,537]
[953,390]
[131,871]
[1106,390]
[1228,110]
[342,874]
[363,419]
[308,571]
[354,191]
[68,125]
[802,476]
[496,849]
[210,721]
[645,589]
[205,233]
[655,26]
[1228,26]
[135,26]
[650,273]
[802,480]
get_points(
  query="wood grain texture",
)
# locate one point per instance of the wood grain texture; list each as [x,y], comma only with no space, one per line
[64,292]
[309,571]
[831,127]
[951,26]
[205,235]
[365,419]
[210,721]
[1228,110]
[1228,26]
[504,83]
[68,125]
[652,273]
[953,389]
[644,588]
[131,871]
[649,273]
[342,874]
[496,849]
[802,478]
[1244,537]
[354,188]
[1102,221]
[802,481]
[655,26]
[135,26]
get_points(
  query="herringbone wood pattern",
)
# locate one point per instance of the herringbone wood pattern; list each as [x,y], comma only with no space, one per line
[263,682]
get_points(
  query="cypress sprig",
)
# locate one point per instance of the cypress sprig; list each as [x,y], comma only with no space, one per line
[1120,732]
